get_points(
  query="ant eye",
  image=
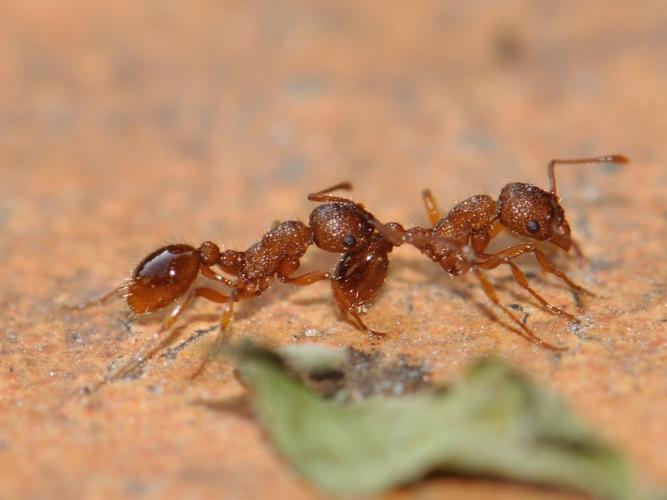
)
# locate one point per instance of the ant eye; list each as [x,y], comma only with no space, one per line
[349,241]
[533,226]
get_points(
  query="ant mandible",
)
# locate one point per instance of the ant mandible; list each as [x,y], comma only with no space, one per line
[458,240]
[167,276]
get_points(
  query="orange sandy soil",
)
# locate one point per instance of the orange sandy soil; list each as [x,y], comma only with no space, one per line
[123,127]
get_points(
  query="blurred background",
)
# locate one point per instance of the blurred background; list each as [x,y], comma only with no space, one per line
[190,111]
[127,124]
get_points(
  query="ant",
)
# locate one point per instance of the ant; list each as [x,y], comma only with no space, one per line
[458,240]
[167,276]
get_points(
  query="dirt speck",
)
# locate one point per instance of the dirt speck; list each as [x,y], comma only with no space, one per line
[371,373]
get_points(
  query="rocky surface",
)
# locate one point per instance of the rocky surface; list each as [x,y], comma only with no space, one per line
[126,126]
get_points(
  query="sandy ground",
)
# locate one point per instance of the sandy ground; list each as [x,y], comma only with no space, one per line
[126,126]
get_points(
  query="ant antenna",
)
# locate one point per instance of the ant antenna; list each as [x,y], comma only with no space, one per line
[324,196]
[597,159]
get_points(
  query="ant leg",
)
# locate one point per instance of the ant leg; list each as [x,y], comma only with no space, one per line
[362,325]
[154,342]
[431,205]
[212,295]
[577,250]
[225,320]
[347,308]
[211,274]
[546,265]
[480,240]
[305,279]
[289,266]
[521,279]
[148,349]
[549,267]
[310,278]
[116,292]
[493,297]
[323,196]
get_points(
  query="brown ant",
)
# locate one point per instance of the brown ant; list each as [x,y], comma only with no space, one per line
[167,276]
[458,241]
[344,226]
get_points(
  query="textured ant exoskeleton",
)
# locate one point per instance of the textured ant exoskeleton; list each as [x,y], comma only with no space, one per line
[458,241]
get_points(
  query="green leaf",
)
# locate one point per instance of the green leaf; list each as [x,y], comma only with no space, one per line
[494,422]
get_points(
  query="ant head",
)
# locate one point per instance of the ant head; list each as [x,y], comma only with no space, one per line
[529,211]
[341,227]
[162,277]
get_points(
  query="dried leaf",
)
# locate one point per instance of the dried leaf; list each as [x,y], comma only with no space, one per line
[493,422]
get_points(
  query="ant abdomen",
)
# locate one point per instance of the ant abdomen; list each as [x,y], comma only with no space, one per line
[162,277]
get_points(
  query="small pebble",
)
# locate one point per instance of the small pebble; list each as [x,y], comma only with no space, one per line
[311,332]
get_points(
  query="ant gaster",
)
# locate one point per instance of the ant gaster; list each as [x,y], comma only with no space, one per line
[458,240]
